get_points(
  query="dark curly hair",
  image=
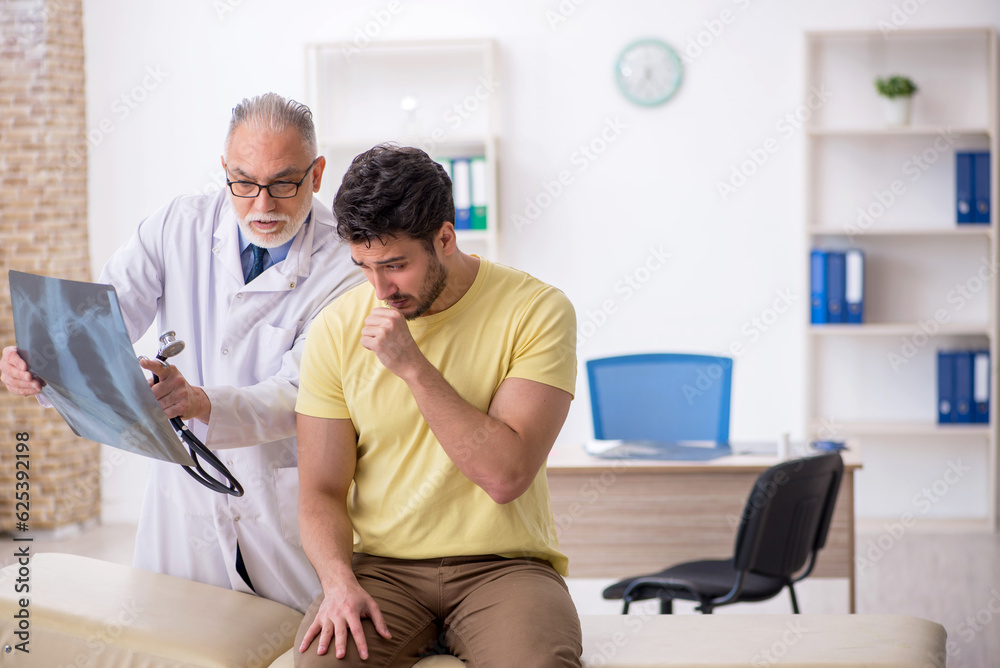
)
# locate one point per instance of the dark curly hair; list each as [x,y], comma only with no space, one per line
[392,191]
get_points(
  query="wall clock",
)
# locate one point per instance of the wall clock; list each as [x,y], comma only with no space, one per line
[648,72]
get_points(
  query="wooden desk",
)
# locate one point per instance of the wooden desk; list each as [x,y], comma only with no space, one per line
[620,518]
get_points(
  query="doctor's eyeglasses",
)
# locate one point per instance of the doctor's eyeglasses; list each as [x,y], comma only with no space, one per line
[277,190]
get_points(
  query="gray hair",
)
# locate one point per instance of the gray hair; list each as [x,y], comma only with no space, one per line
[272,113]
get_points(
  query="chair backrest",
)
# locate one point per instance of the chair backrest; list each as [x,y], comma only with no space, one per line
[661,397]
[787,516]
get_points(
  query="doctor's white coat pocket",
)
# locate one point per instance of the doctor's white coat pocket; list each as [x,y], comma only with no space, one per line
[263,341]
[286,491]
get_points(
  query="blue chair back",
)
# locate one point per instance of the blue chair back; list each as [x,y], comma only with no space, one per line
[661,397]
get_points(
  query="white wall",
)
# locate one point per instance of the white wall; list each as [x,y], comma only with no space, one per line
[162,78]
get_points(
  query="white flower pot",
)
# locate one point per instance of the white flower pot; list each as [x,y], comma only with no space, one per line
[896,110]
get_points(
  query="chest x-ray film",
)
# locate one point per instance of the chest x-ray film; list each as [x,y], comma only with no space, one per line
[73,337]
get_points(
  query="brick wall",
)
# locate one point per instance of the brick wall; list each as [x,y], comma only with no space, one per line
[43,230]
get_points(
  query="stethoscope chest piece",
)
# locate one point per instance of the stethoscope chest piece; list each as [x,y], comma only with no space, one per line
[170,346]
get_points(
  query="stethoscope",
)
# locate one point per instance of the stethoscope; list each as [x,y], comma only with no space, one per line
[170,346]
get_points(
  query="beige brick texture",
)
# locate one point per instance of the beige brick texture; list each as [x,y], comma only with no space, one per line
[43,228]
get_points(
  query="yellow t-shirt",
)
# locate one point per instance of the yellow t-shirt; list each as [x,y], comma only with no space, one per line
[409,500]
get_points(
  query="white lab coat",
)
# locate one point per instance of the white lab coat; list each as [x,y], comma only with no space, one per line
[244,344]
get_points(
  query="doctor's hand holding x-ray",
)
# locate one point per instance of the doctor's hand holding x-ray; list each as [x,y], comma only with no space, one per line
[15,375]
[176,396]
[239,276]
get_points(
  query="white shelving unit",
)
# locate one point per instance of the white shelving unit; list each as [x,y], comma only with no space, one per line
[440,96]
[930,284]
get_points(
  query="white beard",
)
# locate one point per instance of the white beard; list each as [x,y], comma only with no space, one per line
[283,234]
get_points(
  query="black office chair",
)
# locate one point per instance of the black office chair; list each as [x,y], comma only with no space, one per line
[783,527]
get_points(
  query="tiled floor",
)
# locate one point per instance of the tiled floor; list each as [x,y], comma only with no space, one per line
[952,579]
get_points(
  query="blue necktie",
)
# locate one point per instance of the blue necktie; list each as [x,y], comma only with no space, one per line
[259,255]
[256,268]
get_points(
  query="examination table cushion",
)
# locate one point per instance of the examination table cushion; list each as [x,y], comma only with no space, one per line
[85,613]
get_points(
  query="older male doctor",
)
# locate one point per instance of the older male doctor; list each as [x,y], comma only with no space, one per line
[239,276]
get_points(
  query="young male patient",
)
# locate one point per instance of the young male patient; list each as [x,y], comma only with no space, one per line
[429,399]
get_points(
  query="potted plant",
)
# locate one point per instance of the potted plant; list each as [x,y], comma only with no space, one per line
[897,92]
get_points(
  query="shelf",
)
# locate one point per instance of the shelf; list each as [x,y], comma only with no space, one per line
[971,230]
[906,131]
[427,143]
[903,428]
[899,329]
[436,90]
[441,96]
[411,49]
[921,34]
[474,235]
[929,284]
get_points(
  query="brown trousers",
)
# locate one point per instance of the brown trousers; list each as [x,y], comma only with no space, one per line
[488,611]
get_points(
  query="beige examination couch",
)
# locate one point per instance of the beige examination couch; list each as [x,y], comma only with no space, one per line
[84,613]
